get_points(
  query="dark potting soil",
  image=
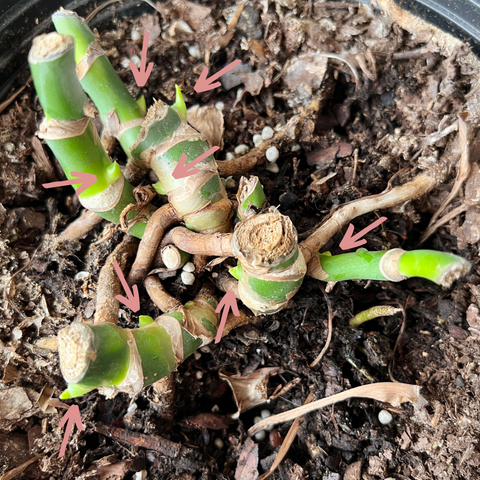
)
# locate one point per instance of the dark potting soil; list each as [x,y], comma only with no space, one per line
[368,131]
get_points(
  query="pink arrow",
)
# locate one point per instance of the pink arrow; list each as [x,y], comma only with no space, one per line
[141,76]
[205,84]
[183,171]
[72,416]
[228,301]
[87,180]
[349,241]
[133,300]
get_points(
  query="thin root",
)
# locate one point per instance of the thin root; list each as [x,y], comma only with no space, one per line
[81,226]
[330,329]
[462,175]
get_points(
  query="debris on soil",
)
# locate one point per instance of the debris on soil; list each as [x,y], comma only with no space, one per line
[388,90]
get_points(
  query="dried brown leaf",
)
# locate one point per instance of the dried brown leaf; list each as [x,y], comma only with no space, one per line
[107,468]
[208,120]
[251,390]
[44,400]
[387,392]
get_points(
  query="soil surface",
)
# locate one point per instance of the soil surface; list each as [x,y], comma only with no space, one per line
[368,132]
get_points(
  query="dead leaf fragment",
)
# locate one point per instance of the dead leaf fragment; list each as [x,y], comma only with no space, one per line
[190,12]
[325,157]
[208,120]
[287,443]
[308,69]
[248,461]
[44,400]
[16,404]
[206,421]
[353,471]
[387,392]
[251,390]
[107,468]
[243,74]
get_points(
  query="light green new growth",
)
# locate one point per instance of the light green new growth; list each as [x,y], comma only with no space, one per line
[71,134]
[250,197]
[373,312]
[179,104]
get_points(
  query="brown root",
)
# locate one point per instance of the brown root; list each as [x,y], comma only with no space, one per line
[225,282]
[160,221]
[160,297]
[200,261]
[81,226]
[416,188]
[109,284]
[462,175]
[212,245]
[235,322]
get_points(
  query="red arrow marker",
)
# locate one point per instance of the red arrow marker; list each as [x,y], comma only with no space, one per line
[228,301]
[141,76]
[87,179]
[183,171]
[133,300]
[349,241]
[205,84]
[72,416]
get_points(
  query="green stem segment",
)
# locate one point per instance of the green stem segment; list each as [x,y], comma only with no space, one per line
[199,199]
[120,113]
[270,266]
[113,359]
[70,133]
[394,265]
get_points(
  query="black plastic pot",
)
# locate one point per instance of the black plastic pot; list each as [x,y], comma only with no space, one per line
[22,20]
[458,17]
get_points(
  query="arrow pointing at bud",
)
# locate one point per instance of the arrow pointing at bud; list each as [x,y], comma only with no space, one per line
[132,301]
[349,241]
[183,171]
[72,417]
[228,301]
[205,84]
[141,76]
[86,179]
